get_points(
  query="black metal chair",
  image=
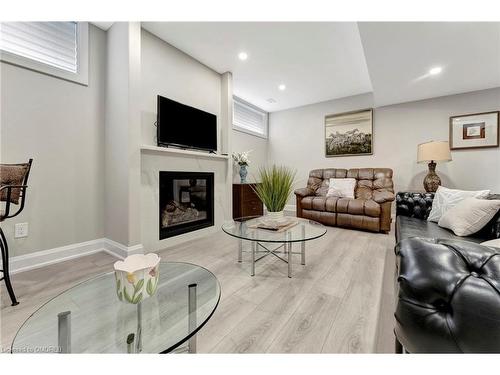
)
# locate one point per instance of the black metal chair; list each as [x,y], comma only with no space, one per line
[13,185]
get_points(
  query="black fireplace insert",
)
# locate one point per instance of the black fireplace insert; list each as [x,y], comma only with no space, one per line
[186,202]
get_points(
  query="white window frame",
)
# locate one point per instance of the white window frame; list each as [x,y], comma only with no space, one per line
[255,109]
[82,74]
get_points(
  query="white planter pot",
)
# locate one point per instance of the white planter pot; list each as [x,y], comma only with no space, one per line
[275,215]
[137,277]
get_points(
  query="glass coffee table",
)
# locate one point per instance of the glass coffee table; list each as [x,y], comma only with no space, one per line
[89,318]
[262,239]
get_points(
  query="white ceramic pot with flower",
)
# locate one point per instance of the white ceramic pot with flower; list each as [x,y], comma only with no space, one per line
[137,277]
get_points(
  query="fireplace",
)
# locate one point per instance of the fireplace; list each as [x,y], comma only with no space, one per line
[186,202]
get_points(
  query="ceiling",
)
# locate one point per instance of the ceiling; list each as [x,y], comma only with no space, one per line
[322,61]
[400,55]
[316,61]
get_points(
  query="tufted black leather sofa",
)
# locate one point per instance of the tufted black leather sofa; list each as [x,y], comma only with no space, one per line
[412,210]
[449,296]
[448,287]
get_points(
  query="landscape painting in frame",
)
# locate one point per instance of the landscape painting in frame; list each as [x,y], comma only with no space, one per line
[477,130]
[349,133]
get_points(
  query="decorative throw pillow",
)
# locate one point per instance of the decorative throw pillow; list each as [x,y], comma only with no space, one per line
[492,243]
[12,174]
[341,187]
[469,216]
[445,198]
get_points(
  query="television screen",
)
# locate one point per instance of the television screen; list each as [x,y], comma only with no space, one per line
[184,126]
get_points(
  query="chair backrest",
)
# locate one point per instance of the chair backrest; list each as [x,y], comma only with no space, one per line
[368,180]
[13,184]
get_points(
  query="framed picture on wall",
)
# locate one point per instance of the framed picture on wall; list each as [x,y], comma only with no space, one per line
[476,130]
[349,133]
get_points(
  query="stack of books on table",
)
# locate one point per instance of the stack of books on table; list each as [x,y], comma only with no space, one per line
[277,225]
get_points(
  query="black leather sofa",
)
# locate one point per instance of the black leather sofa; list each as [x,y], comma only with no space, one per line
[448,287]
[412,210]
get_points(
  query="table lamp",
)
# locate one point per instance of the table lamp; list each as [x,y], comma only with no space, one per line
[432,152]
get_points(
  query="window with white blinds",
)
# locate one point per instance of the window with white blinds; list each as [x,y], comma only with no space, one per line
[55,48]
[248,118]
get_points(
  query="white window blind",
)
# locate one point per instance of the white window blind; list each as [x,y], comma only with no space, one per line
[59,49]
[51,43]
[249,119]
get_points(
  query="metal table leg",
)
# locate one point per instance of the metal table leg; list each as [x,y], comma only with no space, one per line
[138,344]
[303,246]
[240,250]
[289,244]
[192,317]
[64,332]
[254,249]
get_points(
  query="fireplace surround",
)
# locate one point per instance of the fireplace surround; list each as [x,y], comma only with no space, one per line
[186,202]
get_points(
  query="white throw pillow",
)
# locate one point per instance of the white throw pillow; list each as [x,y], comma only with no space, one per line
[341,187]
[469,216]
[445,198]
[492,243]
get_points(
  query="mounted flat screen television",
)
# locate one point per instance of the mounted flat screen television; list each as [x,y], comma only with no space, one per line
[183,126]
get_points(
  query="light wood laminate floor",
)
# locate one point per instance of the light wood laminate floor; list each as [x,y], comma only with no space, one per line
[339,302]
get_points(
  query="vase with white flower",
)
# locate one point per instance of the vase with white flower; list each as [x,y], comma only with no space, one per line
[243,160]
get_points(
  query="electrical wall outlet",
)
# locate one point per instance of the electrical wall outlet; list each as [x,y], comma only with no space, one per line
[21,230]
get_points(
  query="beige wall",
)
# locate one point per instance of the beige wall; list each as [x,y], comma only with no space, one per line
[297,139]
[59,124]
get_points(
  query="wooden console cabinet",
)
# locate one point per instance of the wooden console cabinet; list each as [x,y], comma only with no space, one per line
[246,202]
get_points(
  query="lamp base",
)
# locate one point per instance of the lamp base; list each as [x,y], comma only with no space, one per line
[432,180]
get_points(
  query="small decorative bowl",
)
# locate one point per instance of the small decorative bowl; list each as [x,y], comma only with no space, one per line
[137,277]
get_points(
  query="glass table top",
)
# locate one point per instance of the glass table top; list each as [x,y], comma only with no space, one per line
[245,228]
[100,323]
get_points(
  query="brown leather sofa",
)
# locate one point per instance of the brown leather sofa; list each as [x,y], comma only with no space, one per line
[369,210]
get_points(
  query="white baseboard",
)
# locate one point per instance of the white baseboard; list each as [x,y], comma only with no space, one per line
[119,250]
[44,258]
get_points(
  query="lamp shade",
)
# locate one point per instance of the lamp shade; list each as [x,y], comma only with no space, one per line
[434,150]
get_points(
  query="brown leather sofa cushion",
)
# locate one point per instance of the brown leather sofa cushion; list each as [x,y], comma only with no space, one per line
[358,207]
[318,203]
[331,204]
[343,205]
[306,203]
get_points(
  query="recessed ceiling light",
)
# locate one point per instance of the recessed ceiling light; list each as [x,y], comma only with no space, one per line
[435,70]
[282,87]
[243,56]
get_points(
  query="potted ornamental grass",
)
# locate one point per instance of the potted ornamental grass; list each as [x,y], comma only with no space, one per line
[274,189]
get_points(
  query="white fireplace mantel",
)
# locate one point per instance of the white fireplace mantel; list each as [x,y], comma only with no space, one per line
[181,152]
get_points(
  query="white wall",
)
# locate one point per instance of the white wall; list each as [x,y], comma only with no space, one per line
[258,157]
[297,140]
[122,134]
[169,72]
[59,124]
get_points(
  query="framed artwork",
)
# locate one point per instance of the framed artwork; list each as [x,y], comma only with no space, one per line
[477,130]
[349,133]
